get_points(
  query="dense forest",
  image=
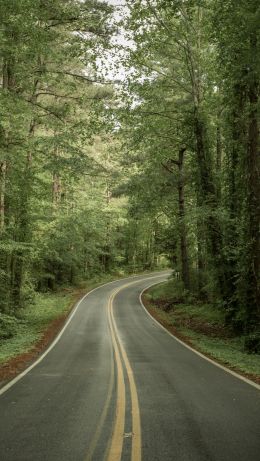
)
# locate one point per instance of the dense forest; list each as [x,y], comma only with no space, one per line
[155,165]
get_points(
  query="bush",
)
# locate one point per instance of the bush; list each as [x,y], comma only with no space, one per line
[252,343]
[8,326]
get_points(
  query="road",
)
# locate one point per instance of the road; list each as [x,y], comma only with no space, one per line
[116,387]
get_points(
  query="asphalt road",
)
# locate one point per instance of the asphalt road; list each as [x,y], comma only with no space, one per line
[116,387]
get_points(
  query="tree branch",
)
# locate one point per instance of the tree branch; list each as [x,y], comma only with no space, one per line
[50,112]
[71,74]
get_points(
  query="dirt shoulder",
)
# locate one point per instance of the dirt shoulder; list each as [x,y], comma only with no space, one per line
[15,365]
[40,325]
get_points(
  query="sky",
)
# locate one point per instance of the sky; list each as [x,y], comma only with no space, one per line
[111,65]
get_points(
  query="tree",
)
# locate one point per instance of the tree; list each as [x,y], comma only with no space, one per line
[237,41]
[43,53]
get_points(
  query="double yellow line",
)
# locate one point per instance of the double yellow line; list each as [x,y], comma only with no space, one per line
[121,358]
[116,446]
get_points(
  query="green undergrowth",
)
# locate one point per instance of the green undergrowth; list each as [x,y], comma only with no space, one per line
[203,325]
[19,334]
[28,327]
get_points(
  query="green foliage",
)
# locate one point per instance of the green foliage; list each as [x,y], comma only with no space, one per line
[8,326]
[194,89]
[229,352]
[252,343]
[204,326]
[160,170]
[52,182]
[18,335]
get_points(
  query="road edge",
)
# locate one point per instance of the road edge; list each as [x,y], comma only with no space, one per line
[53,343]
[200,354]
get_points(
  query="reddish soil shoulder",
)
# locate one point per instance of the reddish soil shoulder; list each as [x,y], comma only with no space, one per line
[14,366]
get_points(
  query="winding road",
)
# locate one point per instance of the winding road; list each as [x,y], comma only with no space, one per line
[115,386]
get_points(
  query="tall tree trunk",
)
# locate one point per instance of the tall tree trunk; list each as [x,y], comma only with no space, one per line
[8,84]
[3,168]
[8,79]
[235,197]
[207,192]
[23,233]
[218,161]
[253,199]
[200,228]
[182,225]
[8,74]
[206,189]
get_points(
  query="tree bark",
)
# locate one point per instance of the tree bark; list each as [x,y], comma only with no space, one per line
[182,225]
[208,197]
[200,253]
[253,201]
[218,161]
[56,189]
[3,168]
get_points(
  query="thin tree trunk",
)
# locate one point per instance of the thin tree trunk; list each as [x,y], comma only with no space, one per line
[200,263]
[56,189]
[56,182]
[218,161]
[3,168]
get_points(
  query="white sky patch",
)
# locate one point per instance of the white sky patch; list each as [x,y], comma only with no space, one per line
[111,65]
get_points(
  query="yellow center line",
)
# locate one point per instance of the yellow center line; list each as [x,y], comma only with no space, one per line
[116,447]
[136,422]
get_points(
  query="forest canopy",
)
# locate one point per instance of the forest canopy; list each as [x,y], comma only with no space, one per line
[129,141]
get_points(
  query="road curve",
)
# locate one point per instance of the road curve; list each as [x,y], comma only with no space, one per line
[116,387]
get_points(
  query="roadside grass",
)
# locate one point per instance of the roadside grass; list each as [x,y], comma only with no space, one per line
[33,321]
[28,327]
[19,335]
[202,325]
